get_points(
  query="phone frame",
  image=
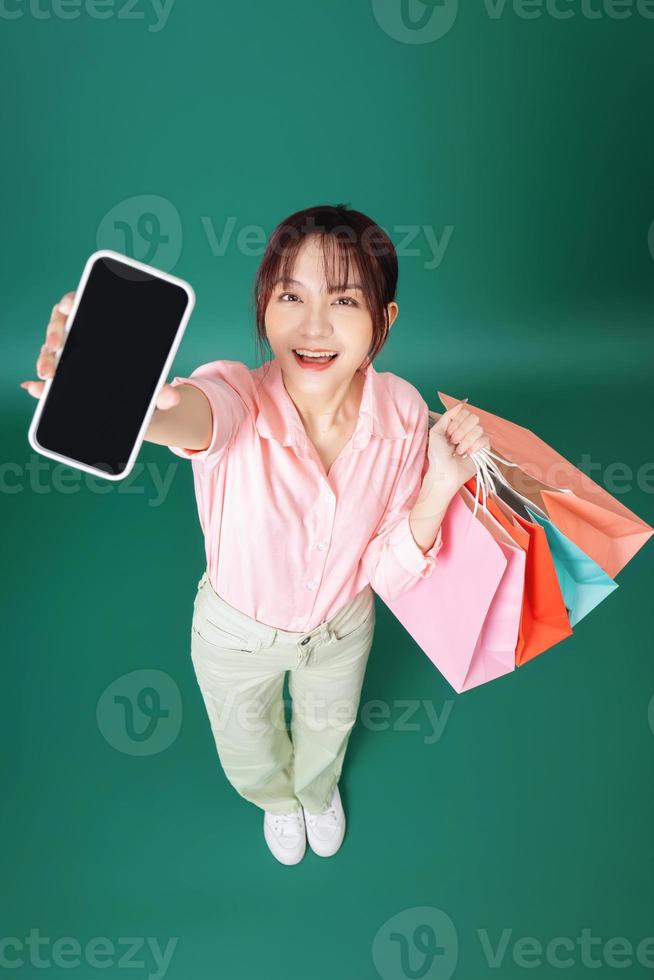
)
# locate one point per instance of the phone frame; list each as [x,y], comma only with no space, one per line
[158,273]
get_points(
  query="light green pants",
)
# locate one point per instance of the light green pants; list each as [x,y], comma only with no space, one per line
[240,665]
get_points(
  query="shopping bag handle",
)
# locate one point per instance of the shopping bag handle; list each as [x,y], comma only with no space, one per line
[487,472]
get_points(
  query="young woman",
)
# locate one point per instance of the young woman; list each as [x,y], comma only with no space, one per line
[317,482]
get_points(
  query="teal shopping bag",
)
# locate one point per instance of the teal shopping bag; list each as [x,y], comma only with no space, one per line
[583,583]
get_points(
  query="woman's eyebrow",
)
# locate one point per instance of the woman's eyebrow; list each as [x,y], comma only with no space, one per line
[349,285]
[335,289]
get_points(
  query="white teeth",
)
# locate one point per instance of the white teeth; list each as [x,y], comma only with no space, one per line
[308,353]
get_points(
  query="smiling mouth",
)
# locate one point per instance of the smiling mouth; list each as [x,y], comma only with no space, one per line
[315,358]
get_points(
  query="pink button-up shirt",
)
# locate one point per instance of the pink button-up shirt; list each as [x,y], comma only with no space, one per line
[285,542]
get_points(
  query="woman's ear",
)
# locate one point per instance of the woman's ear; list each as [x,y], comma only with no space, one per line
[393,310]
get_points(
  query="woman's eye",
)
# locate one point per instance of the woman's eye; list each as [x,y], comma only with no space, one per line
[349,301]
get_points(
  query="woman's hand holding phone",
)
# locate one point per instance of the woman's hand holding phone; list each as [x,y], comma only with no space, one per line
[46,362]
[109,346]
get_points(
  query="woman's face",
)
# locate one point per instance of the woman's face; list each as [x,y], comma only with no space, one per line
[302,315]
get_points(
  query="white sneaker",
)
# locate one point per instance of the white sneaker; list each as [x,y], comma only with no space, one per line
[285,835]
[326,830]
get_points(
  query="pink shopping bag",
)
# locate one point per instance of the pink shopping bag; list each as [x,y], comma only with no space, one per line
[495,653]
[452,614]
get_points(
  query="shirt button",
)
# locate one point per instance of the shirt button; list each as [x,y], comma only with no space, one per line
[311,584]
[322,546]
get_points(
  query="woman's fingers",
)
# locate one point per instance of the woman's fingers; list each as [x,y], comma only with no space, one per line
[474,440]
[66,302]
[34,388]
[168,397]
[46,362]
[55,330]
[462,427]
[446,418]
[54,336]
[466,434]
[482,443]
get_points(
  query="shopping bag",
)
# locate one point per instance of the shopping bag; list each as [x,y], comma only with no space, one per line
[445,612]
[583,583]
[503,514]
[544,620]
[499,635]
[586,513]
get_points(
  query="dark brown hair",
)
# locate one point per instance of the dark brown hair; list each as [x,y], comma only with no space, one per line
[348,238]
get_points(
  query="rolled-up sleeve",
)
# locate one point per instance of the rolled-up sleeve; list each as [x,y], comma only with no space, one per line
[228,411]
[393,560]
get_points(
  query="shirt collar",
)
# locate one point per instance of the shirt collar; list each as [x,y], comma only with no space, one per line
[279,419]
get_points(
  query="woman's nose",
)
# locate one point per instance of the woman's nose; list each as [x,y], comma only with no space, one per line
[316,325]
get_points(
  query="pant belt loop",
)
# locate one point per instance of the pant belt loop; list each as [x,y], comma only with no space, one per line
[266,640]
[303,649]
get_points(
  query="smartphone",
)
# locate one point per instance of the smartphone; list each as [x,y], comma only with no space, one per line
[121,337]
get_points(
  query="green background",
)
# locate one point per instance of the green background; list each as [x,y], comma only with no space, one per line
[530,138]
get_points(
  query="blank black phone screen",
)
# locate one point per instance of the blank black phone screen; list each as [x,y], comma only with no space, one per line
[111,362]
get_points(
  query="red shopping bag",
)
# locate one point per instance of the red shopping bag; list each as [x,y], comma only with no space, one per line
[544,619]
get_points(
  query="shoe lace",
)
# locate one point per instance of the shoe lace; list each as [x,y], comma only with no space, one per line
[329,814]
[283,823]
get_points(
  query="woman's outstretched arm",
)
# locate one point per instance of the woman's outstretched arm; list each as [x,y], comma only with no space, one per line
[187,422]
